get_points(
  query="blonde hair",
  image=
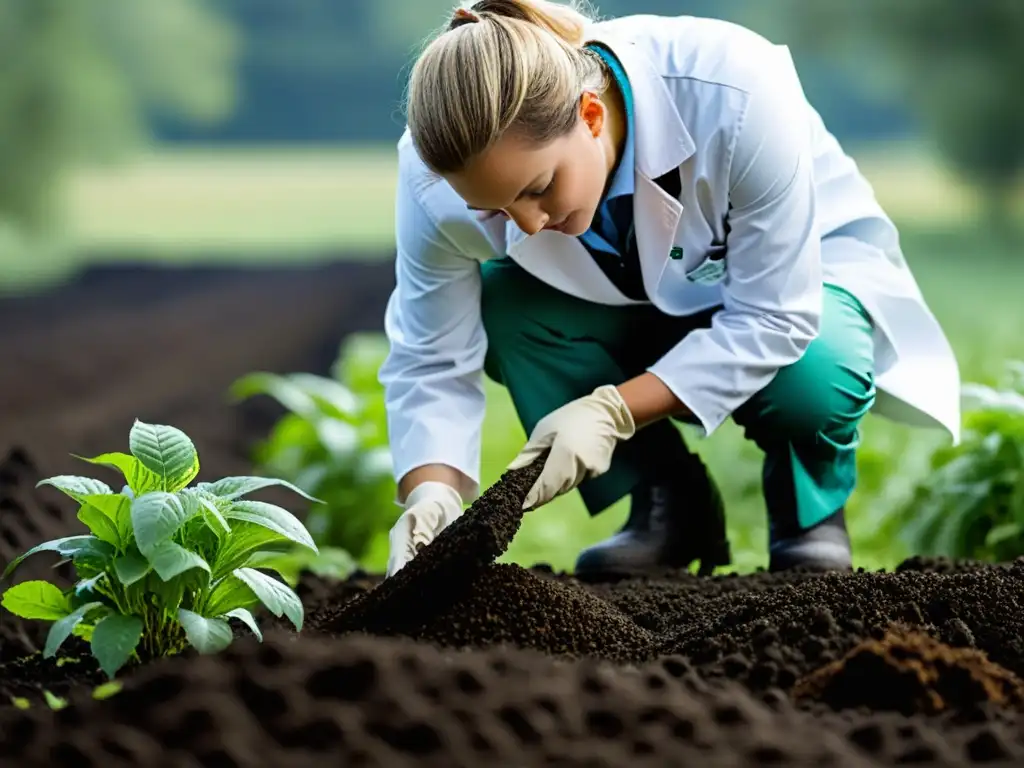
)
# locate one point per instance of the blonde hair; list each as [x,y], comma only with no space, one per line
[499,65]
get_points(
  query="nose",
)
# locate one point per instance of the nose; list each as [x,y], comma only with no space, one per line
[531,220]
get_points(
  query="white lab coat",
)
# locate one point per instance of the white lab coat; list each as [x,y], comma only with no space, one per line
[725,107]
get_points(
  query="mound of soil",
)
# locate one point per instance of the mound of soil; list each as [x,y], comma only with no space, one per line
[510,605]
[782,628]
[444,569]
[911,672]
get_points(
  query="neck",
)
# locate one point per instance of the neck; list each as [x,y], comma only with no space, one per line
[615,126]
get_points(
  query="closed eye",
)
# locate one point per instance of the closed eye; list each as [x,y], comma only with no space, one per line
[544,191]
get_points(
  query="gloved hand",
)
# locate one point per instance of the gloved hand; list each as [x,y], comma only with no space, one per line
[582,436]
[429,509]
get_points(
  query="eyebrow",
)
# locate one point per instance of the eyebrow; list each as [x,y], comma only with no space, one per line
[519,196]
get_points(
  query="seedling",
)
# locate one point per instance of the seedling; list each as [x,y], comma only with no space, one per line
[54,702]
[165,565]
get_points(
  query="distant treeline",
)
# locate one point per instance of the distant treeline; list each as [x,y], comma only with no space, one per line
[330,70]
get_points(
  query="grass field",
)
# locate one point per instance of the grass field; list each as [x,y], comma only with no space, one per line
[258,206]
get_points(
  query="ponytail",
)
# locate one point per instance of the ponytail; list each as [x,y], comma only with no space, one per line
[567,22]
[499,65]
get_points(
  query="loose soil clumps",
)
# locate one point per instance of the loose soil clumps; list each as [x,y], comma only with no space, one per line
[510,605]
[910,672]
[384,702]
[444,569]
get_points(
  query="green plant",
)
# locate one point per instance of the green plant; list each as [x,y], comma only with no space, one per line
[165,565]
[333,443]
[971,505]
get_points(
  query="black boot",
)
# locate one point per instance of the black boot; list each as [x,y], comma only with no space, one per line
[671,524]
[823,547]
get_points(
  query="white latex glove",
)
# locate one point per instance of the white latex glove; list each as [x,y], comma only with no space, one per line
[582,436]
[430,508]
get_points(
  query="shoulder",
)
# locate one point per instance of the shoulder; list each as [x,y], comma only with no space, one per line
[695,53]
[428,208]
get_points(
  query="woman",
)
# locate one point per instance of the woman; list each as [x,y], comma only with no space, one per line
[628,223]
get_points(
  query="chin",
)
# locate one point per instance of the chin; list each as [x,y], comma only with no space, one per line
[574,226]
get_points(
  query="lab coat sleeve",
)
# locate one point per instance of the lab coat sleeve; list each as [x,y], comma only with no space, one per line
[433,372]
[772,291]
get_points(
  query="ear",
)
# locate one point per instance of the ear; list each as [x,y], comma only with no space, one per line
[592,112]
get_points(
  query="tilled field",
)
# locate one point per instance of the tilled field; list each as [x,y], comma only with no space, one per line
[459,661]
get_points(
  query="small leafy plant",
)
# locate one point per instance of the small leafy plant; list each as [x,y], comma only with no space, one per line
[971,505]
[333,443]
[165,565]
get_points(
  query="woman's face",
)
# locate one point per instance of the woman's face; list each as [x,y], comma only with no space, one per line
[556,186]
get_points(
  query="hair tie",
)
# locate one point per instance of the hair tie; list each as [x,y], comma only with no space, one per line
[463,17]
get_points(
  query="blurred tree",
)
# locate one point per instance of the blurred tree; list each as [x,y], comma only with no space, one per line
[307,62]
[956,64]
[78,79]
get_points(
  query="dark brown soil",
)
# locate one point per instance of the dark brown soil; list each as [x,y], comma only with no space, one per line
[909,672]
[483,664]
[510,605]
[445,569]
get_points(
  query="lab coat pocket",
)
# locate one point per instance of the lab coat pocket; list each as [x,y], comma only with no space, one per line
[711,269]
[691,283]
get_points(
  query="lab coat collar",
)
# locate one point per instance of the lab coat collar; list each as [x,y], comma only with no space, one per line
[662,141]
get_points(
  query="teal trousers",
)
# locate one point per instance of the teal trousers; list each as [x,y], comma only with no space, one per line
[548,348]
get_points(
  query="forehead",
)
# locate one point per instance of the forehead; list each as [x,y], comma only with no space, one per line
[495,178]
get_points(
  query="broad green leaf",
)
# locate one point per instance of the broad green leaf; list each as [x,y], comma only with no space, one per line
[339,438]
[305,395]
[198,500]
[140,478]
[205,635]
[75,486]
[156,516]
[1001,533]
[170,560]
[114,639]
[329,563]
[228,594]
[36,600]
[131,567]
[333,397]
[277,597]
[117,507]
[245,539]
[102,527]
[61,630]
[274,518]
[166,451]
[232,488]
[246,618]
[74,547]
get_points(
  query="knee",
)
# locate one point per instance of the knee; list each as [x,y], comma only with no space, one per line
[826,393]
